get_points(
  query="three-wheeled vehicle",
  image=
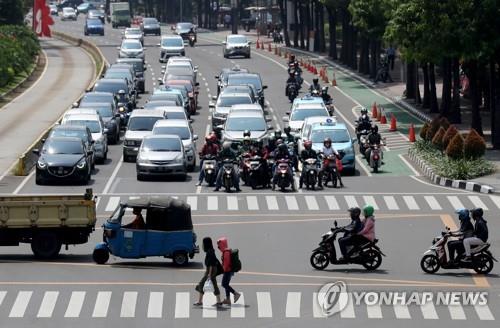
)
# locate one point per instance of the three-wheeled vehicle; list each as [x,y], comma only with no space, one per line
[165,230]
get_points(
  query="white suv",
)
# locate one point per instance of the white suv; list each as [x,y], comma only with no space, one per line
[171,46]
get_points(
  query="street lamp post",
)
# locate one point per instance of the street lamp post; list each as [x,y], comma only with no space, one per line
[180,5]
[234,16]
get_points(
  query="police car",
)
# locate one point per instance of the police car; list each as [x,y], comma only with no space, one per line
[317,129]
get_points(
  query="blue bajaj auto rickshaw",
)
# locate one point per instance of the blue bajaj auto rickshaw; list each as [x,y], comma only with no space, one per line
[165,230]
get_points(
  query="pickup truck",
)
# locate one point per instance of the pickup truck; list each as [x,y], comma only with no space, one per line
[47,221]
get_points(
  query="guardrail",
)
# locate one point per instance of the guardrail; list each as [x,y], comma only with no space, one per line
[28,160]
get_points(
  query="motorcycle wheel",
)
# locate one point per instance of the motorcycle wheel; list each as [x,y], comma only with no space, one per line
[483,264]
[375,169]
[430,263]
[319,260]
[253,183]
[373,259]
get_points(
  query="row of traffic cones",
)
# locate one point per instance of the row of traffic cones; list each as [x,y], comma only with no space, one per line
[379,115]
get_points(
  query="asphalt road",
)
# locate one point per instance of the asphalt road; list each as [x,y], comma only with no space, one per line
[274,231]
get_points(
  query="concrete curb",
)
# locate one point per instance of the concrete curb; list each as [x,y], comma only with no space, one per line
[27,160]
[4,98]
[439,180]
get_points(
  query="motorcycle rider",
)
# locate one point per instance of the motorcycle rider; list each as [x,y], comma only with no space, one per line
[328,150]
[281,154]
[305,154]
[480,235]
[327,99]
[374,139]
[292,61]
[271,144]
[291,80]
[364,122]
[246,146]
[288,135]
[466,230]
[368,231]
[209,148]
[315,86]
[350,230]
[277,135]
[227,153]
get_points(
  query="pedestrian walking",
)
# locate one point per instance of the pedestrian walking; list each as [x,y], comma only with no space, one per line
[211,264]
[227,267]
[227,20]
[391,56]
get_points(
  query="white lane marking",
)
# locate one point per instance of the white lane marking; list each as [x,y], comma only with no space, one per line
[20,304]
[455,202]
[478,202]
[232,203]
[264,306]
[101,305]
[155,306]
[317,309]
[332,203]
[48,304]
[390,201]
[252,203]
[206,84]
[113,176]
[293,305]
[209,310]
[75,305]
[410,166]
[483,312]
[23,183]
[291,203]
[401,311]
[348,311]
[351,201]
[456,312]
[374,311]
[112,203]
[2,296]
[311,202]
[212,203]
[411,203]
[182,305]
[208,89]
[371,200]
[433,203]
[362,163]
[429,311]
[193,202]
[272,203]
[496,200]
[129,302]
[238,309]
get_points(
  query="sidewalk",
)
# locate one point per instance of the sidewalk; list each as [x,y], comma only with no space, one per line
[68,73]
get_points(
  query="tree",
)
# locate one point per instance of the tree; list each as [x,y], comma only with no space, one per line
[12,12]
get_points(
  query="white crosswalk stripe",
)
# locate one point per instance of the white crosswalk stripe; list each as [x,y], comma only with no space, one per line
[291,203]
[252,203]
[374,311]
[238,309]
[293,305]
[348,311]
[312,204]
[483,312]
[371,200]
[351,201]
[2,296]
[112,204]
[402,311]
[212,203]
[21,304]
[182,305]
[390,202]
[48,305]
[155,306]
[264,305]
[411,203]
[232,203]
[433,203]
[272,203]
[193,202]
[477,202]
[456,312]
[129,302]
[332,203]
[102,305]
[455,202]
[429,311]
[209,309]
[75,305]
[496,200]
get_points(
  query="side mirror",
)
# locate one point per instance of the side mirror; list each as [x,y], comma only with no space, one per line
[287,112]
[190,120]
[75,105]
[160,81]
[354,140]
[117,115]
[196,92]
[144,48]
[163,67]
[36,151]
[92,142]
[224,42]
[264,87]
[43,140]
[158,45]
[117,48]
[195,137]
[211,105]
[286,119]
[90,152]
[106,130]
[269,119]
[144,68]
[196,67]
[214,97]
[162,71]
[219,127]
[216,77]
[250,42]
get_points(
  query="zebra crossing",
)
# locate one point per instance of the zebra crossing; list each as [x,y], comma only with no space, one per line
[177,305]
[322,202]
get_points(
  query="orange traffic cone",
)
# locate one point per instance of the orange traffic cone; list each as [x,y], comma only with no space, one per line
[276,50]
[374,111]
[269,48]
[325,78]
[411,133]
[334,80]
[257,46]
[379,114]
[393,123]
[383,119]
[315,71]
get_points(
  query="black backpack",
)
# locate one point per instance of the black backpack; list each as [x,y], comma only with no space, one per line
[235,261]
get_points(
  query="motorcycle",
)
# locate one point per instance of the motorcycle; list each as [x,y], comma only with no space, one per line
[330,107]
[258,175]
[285,179]
[297,72]
[245,167]
[363,141]
[310,167]
[192,40]
[367,254]
[292,91]
[330,170]
[210,168]
[375,158]
[227,177]
[436,257]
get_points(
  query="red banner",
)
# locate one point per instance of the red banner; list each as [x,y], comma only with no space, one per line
[42,19]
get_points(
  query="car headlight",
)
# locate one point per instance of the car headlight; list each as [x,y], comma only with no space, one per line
[81,164]
[142,160]
[179,160]
[41,165]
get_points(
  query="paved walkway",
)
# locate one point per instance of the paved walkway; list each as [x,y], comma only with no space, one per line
[68,73]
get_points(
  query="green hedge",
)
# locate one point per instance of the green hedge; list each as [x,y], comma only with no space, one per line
[458,169]
[18,47]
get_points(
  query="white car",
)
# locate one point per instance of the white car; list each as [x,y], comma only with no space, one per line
[161,155]
[225,101]
[133,33]
[238,122]
[181,59]
[68,13]
[78,111]
[183,129]
[300,112]
[171,46]
[99,132]
[248,107]
[131,49]
[236,45]
[53,9]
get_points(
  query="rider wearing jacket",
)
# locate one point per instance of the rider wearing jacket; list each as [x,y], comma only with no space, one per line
[466,230]
[305,154]
[350,230]
[291,80]
[227,154]
[327,151]
[209,148]
[374,139]
[315,85]
[480,235]
[281,154]
[364,122]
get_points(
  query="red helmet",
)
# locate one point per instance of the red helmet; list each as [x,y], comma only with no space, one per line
[308,144]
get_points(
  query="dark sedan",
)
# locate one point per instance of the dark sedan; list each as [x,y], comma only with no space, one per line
[93,26]
[249,78]
[150,25]
[110,117]
[63,159]
[139,68]
[116,86]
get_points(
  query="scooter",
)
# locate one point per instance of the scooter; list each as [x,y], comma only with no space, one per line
[363,141]
[192,40]
[227,177]
[375,158]
[367,254]
[258,175]
[285,179]
[310,167]
[330,170]
[245,167]
[292,91]
[437,257]
[210,168]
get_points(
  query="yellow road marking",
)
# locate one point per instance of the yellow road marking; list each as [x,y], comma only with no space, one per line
[479,280]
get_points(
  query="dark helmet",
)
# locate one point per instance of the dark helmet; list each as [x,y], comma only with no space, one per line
[287,129]
[277,133]
[207,244]
[247,140]
[271,139]
[246,133]
[315,80]
[292,73]
[327,141]
[259,143]
[463,214]
[234,145]
[308,144]
[364,111]
[282,147]
[374,128]
[292,57]
[477,213]
[355,211]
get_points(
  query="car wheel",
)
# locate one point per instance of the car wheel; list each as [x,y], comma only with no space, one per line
[140,177]
[46,245]
[180,258]
[105,157]
[100,256]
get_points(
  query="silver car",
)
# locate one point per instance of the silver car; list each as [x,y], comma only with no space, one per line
[171,46]
[221,109]
[161,155]
[238,122]
[133,33]
[236,45]
[131,49]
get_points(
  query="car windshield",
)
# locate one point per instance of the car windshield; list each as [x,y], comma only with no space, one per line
[165,96]
[181,88]
[337,136]
[237,39]
[104,111]
[161,103]
[77,133]
[94,126]
[230,101]
[131,45]
[161,144]
[94,97]
[116,75]
[133,31]
[142,123]
[136,64]
[54,147]
[150,21]
[179,70]
[302,114]
[183,26]
[95,12]
[172,42]
[176,115]
[94,22]
[236,79]
[111,87]
[188,86]
[246,123]
[68,10]
[181,131]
